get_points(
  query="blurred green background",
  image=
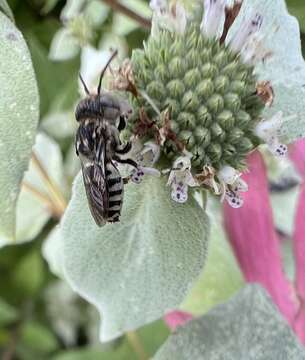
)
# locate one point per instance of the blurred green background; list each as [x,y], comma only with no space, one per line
[40,317]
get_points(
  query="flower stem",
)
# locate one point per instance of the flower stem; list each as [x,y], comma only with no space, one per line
[136,344]
[56,195]
[117,6]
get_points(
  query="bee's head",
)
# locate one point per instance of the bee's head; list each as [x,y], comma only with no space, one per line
[88,108]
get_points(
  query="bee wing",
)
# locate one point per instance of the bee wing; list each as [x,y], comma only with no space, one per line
[96,189]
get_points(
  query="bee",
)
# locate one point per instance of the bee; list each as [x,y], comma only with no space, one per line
[101,118]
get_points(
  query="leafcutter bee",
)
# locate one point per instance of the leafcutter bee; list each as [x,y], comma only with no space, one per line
[101,117]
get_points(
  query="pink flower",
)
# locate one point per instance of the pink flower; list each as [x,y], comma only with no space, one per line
[177,318]
[254,240]
[297,154]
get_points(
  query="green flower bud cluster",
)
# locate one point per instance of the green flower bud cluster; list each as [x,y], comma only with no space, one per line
[209,92]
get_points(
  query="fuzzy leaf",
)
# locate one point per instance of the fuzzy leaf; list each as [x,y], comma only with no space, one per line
[19,111]
[141,268]
[221,276]
[247,327]
[285,69]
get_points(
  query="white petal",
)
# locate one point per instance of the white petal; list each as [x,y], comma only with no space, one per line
[180,17]
[151,171]
[268,129]
[159,6]
[247,29]
[179,193]
[151,152]
[137,175]
[189,179]
[182,163]
[213,19]
[240,186]
[278,149]
[171,178]
[172,18]
[228,175]
[234,199]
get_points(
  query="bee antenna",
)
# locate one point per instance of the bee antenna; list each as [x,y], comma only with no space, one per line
[84,85]
[114,54]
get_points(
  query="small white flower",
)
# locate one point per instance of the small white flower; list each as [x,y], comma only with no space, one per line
[146,158]
[233,185]
[228,175]
[180,178]
[138,174]
[171,16]
[248,28]
[268,130]
[234,199]
[213,18]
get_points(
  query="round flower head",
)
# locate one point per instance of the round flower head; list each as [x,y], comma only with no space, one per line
[197,95]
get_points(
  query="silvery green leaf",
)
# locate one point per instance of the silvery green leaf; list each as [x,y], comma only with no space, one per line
[64,46]
[285,69]
[246,327]
[19,112]
[140,268]
[6,9]
[221,276]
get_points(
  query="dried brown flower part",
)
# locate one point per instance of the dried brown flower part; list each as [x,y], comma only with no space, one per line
[123,79]
[265,91]
[231,13]
[207,179]
[166,132]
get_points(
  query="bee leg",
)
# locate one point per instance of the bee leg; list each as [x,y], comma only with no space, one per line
[125,161]
[125,149]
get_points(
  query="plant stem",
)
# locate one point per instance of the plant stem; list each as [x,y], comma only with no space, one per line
[117,6]
[55,193]
[136,344]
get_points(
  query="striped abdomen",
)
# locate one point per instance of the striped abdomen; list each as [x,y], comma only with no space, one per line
[115,192]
